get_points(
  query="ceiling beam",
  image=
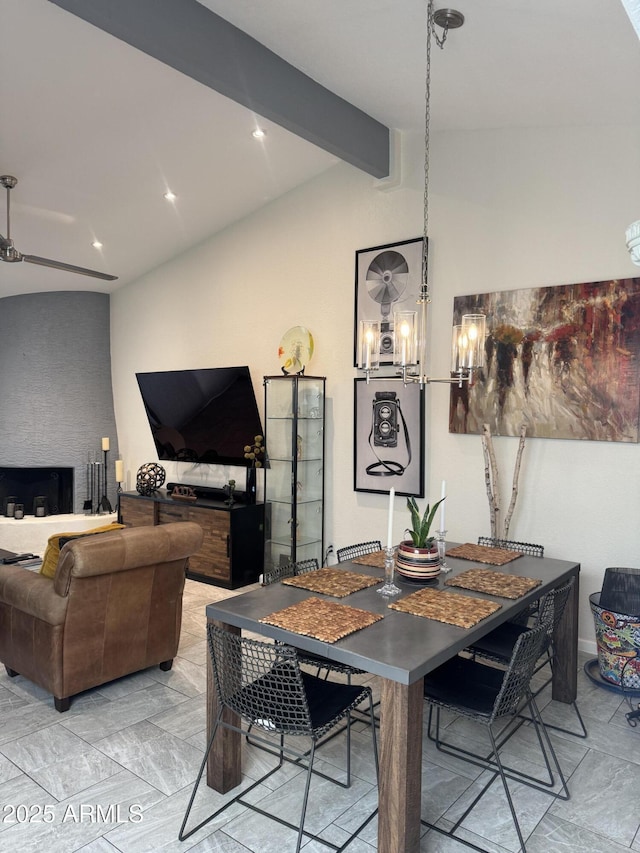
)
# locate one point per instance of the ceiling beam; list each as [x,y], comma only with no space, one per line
[187,36]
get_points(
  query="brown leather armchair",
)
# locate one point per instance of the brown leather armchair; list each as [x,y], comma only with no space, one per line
[114,607]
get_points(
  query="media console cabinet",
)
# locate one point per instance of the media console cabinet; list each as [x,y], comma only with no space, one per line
[232,552]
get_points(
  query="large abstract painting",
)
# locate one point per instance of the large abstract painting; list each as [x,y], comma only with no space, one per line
[564,361]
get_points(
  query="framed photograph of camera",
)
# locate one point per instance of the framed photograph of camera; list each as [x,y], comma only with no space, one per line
[388,279]
[388,448]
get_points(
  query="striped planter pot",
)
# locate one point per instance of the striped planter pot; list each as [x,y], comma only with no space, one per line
[417,564]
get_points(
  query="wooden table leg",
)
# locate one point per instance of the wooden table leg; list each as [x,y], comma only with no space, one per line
[400,767]
[224,766]
[565,642]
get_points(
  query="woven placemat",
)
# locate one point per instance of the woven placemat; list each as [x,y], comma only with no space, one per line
[495,583]
[449,607]
[376,559]
[483,554]
[333,582]
[325,620]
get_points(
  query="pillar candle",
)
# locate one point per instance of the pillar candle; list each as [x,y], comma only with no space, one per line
[105,443]
[392,494]
[119,470]
[443,493]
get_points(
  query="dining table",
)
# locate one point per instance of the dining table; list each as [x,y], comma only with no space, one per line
[400,648]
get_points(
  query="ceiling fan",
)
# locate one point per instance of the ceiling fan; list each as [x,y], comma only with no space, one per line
[9,253]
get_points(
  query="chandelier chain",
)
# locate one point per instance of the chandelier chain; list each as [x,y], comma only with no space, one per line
[424,294]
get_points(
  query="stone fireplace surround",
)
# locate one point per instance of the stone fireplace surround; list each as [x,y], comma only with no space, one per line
[56,399]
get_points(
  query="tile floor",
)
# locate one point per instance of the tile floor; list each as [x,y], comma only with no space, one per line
[114,773]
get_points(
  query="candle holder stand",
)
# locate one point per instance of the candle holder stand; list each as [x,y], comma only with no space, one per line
[389,588]
[442,547]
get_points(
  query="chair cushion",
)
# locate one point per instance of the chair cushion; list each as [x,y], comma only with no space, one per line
[58,540]
[499,643]
[328,699]
[465,685]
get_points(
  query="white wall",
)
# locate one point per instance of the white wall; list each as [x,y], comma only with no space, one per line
[508,210]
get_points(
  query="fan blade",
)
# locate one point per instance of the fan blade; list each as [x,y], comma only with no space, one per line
[59,265]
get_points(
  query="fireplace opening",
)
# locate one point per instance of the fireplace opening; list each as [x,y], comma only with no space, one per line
[42,491]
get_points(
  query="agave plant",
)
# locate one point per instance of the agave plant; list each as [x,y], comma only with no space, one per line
[421,524]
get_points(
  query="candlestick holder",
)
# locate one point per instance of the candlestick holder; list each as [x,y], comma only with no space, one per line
[389,588]
[442,547]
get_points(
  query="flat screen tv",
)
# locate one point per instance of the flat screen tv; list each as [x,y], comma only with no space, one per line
[201,415]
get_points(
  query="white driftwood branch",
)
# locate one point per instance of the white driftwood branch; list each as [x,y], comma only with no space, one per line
[492,479]
[514,487]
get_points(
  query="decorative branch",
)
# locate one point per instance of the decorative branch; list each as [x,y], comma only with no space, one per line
[491,478]
[514,487]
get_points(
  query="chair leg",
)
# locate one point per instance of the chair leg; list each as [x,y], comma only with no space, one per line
[506,790]
[306,794]
[11,672]
[182,834]
[166,665]
[62,705]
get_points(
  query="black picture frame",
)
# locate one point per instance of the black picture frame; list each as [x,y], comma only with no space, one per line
[388,447]
[387,277]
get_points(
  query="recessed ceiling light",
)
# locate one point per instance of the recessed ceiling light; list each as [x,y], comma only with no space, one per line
[170,196]
[258,133]
[97,244]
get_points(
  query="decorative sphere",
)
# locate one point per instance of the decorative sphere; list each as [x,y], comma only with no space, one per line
[150,477]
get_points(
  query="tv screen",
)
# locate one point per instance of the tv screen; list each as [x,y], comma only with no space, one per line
[201,415]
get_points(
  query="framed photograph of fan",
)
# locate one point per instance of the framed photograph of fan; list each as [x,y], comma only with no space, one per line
[388,445]
[388,279]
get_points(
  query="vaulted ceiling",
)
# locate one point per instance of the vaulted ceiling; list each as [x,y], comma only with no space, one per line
[96,130]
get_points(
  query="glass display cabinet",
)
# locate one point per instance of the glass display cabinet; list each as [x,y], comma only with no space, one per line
[294,469]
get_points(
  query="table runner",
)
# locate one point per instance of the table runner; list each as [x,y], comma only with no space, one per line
[483,554]
[324,620]
[335,582]
[375,558]
[449,607]
[494,583]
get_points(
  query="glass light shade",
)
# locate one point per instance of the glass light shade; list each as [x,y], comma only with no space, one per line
[474,328]
[369,345]
[459,351]
[405,338]
[633,241]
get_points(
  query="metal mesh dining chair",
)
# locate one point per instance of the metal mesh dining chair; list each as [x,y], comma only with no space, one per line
[493,697]
[512,545]
[276,573]
[301,567]
[498,644]
[263,684]
[359,550]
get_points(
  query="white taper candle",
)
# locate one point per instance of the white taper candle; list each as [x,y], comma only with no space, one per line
[443,492]
[392,494]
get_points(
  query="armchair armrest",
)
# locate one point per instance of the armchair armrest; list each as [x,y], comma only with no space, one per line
[31,593]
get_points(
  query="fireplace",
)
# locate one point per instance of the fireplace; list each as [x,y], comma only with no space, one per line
[42,491]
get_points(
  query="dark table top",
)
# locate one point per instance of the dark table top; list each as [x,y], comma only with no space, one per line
[400,647]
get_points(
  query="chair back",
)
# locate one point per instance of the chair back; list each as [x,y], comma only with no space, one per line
[260,681]
[560,596]
[277,573]
[304,566]
[515,683]
[524,547]
[351,551]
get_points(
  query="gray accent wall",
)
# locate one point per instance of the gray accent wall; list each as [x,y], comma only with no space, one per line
[56,398]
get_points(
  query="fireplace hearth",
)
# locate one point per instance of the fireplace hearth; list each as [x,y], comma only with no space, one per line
[35,488]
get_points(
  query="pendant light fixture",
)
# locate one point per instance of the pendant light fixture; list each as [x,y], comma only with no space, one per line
[410,327]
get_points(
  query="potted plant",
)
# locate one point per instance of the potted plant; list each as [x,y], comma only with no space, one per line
[417,557]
